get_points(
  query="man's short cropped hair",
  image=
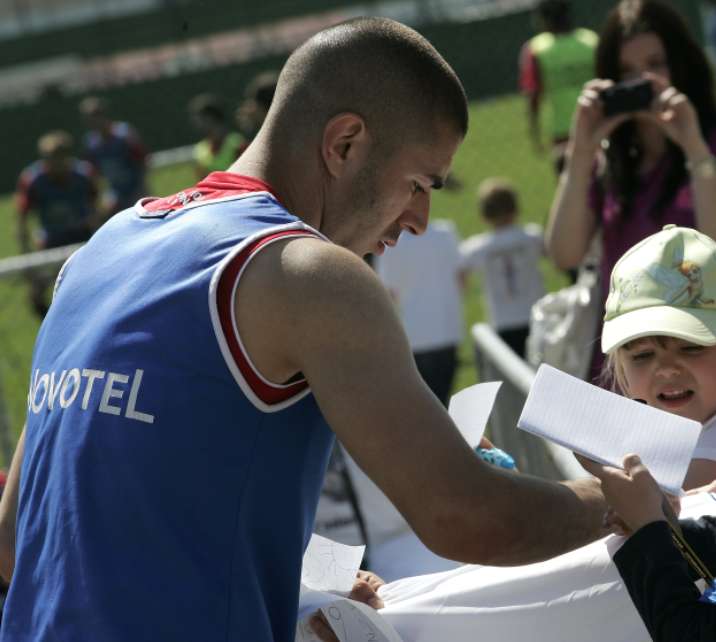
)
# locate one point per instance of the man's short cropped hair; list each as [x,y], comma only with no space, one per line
[377,68]
[55,143]
[496,197]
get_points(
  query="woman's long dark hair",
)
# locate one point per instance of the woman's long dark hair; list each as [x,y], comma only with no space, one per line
[690,73]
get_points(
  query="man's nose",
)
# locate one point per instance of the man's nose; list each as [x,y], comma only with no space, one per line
[415,218]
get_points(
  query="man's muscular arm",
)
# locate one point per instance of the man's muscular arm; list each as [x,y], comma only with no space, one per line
[313,307]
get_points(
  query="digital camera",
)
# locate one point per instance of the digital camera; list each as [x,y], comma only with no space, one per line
[631,95]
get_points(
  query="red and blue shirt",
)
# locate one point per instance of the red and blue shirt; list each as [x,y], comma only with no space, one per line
[168,489]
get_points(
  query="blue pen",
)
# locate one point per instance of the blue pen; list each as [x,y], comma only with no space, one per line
[496,457]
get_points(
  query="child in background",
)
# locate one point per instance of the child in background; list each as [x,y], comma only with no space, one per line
[660,339]
[507,258]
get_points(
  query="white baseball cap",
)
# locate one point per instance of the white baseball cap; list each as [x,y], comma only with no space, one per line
[663,285]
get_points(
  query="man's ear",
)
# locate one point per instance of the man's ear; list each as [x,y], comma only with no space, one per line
[345,140]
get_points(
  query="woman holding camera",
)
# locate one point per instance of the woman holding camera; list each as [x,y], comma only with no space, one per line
[651,161]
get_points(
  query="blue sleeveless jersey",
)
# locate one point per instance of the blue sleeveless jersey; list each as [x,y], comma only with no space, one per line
[168,490]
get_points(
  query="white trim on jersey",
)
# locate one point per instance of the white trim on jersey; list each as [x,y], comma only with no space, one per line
[302,230]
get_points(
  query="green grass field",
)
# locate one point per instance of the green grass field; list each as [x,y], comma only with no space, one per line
[496,145]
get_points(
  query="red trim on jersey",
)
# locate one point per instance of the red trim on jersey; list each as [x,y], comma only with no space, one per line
[215,185]
[22,194]
[266,392]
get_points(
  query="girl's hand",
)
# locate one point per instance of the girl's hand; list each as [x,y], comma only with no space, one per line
[615,524]
[589,125]
[365,589]
[676,116]
[632,492]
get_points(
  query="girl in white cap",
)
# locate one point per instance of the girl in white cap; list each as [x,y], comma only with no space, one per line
[660,333]
[660,339]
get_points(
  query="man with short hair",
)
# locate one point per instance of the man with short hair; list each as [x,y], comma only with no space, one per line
[225,329]
[117,151]
[62,192]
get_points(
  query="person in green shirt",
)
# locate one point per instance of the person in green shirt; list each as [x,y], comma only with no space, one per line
[220,146]
[554,65]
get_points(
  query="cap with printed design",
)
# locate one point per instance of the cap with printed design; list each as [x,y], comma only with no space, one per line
[663,285]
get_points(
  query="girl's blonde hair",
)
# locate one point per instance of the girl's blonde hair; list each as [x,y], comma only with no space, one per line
[612,375]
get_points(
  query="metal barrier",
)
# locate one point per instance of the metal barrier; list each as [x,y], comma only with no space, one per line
[496,361]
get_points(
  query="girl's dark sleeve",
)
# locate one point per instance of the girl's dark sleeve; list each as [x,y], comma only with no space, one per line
[661,585]
[701,536]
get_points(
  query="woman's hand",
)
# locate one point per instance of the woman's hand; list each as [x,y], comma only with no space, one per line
[676,116]
[589,125]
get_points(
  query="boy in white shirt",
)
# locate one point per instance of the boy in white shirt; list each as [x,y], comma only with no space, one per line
[507,259]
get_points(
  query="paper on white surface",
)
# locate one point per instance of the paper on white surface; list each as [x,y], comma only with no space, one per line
[575,597]
[470,409]
[330,566]
[310,601]
[351,622]
[605,426]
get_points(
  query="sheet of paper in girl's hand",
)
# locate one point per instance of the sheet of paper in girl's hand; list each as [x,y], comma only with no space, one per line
[605,426]
[330,566]
[329,570]
[470,409]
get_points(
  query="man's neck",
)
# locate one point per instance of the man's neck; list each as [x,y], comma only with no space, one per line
[287,178]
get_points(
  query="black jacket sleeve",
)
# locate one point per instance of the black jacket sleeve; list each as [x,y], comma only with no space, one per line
[701,536]
[661,584]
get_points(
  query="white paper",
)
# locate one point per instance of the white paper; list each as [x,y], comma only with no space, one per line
[330,566]
[357,622]
[605,426]
[310,601]
[351,621]
[470,409]
[575,597]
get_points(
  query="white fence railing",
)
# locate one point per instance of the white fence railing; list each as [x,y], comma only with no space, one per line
[497,362]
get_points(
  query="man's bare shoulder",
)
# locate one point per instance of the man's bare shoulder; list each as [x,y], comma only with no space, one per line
[306,296]
[307,271]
